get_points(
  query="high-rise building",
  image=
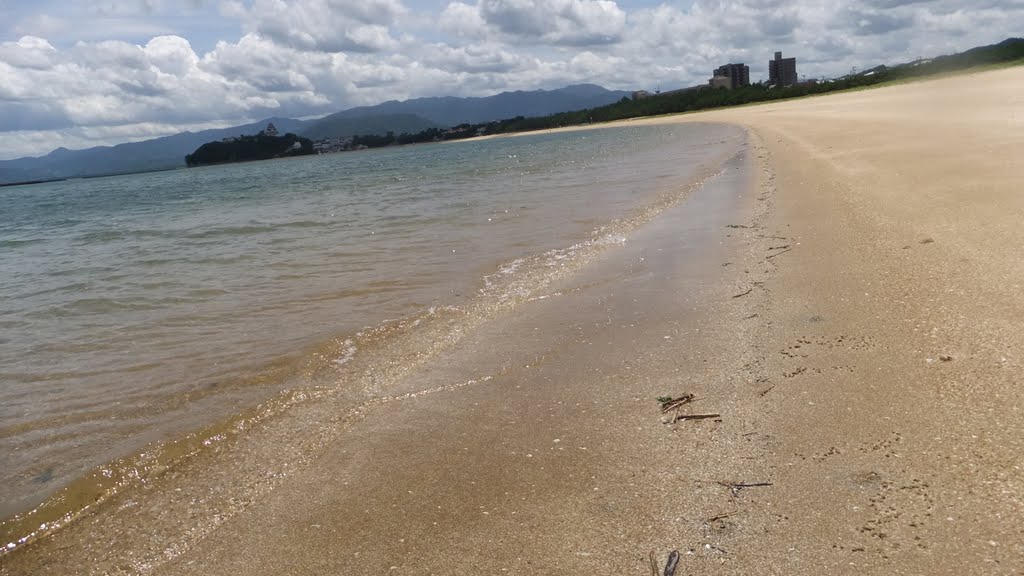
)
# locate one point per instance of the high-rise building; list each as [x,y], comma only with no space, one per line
[782,71]
[738,74]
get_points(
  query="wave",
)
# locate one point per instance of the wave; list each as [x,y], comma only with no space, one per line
[120,235]
[251,229]
[21,243]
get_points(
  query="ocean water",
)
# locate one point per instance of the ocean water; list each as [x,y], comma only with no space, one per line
[136,310]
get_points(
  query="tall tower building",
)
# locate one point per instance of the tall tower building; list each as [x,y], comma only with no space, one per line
[738,74]
[782,71]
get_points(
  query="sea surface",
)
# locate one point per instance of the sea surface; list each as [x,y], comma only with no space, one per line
[137,310]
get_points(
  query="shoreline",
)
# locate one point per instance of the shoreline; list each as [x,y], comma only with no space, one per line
[535,466]
[310,425]
[518,235]
[854,319]
[482,448]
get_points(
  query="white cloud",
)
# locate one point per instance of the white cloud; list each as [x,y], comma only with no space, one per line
[463,20]
[473,59]
[556,22]
[321,25]
[28,52]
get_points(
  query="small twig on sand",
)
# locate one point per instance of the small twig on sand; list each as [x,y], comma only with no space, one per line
[697,416]
[765,391]
[735,487]
[776,254]
[720,516]
[777,247]
[749,290]
[671,403]
[673,561]
[751,316]
[736,226]
[654,563]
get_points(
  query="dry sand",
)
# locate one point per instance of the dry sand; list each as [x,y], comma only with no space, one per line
[856,320]
[899,416]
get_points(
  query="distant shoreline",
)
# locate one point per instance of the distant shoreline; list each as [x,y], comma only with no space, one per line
[31,182]
[89,177]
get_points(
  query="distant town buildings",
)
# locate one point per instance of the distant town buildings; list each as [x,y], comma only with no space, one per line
[332,145]
[782,71]
[271,130]
[730,76]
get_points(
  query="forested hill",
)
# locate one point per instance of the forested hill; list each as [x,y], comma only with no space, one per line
[245,148]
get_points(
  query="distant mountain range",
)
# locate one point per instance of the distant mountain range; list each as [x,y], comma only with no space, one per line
[451,111]
[408,116]
[336,126]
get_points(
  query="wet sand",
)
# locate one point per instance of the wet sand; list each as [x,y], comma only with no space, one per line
[559,462]
[845,294]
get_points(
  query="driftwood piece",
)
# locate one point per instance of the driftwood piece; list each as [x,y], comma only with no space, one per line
[673,561]
[749,290]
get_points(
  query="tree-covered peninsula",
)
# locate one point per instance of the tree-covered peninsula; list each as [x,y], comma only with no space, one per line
[263,146]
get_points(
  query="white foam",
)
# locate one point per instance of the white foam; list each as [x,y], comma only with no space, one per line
[348,352]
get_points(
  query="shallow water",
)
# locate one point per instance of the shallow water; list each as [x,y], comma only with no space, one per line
[140,308]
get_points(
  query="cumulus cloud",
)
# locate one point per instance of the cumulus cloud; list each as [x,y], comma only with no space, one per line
[321,25]
[28,52]
[60,85]
[555,22]
[115,83]
[463,20]
[473,59]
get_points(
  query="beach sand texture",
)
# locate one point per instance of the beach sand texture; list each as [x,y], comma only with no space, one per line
[845,293]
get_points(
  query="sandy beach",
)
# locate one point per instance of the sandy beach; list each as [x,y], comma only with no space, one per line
[843,296]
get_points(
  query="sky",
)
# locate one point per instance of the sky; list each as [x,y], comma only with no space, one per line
[81,73]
